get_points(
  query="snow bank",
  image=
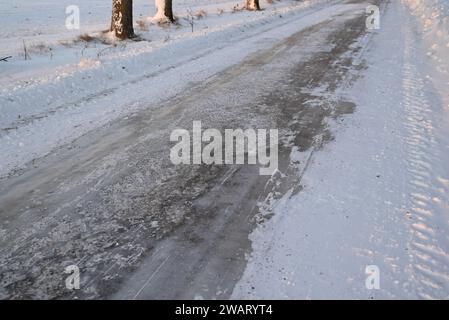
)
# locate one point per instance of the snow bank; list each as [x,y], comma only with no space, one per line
[433,16]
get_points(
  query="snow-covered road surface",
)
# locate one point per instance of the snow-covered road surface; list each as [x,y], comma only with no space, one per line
[85,85]
[364,174]
[378,195]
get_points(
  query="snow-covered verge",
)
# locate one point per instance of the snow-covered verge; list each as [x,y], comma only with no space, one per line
[71,85]
[376,196]
[433,17]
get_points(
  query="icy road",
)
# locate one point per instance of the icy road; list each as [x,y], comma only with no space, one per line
[363,180]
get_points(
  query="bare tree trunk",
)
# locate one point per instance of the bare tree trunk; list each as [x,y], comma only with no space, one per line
[164,11]
[122,19]
[252,5]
